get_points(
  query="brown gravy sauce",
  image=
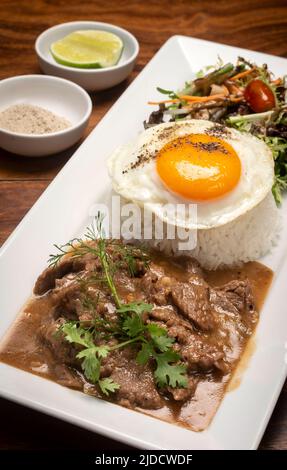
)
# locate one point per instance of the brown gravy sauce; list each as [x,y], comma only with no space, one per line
[21,348]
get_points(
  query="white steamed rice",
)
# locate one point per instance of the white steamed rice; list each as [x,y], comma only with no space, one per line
[247,238]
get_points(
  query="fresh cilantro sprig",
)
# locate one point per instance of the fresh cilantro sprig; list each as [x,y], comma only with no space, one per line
[168,372]
[157,345]
[151,340]
[91,354]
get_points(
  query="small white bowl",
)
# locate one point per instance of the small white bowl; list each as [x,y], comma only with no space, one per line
[62,97]
[90,79]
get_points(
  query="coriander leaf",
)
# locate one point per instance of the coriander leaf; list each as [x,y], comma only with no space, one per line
[108,385]
[75,334]
[133,325]
[169,356]
[91,355]
[99,351]
[163,342]
[144,354]
[155,330]
[102,351]
[136,307]
[160,337]
[177,376]
[90,364]
[166,374]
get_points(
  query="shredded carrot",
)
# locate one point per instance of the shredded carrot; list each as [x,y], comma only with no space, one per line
[191,99]
[277,82]
[202,98]
[242,74]
[236,99]
[199,99]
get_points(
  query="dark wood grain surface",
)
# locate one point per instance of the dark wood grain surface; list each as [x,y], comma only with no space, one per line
[253,24]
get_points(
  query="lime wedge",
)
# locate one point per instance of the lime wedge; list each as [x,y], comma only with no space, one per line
[88,49]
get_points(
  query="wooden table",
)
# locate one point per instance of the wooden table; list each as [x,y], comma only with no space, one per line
[253,24]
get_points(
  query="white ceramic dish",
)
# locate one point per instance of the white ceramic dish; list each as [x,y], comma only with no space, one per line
[60,214]
[62,97]
[90,79]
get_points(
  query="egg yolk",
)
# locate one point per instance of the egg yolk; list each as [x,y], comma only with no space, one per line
[198,166]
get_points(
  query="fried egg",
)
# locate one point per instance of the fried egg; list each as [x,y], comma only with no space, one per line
[224,172]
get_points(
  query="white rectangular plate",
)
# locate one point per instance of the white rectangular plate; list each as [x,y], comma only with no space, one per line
[61,214]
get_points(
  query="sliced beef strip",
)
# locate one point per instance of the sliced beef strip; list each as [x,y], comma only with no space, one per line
[202,355]
[68,297]
[183,394]
[47,280]
[156,285]
[68,377]
[107,310]
[192,299]
[170,317]
[201,303]
[67,280]
[74,304]
[212,347]
[234,308]
[137,386]
[125,284]
[67,300]
[63,351]
[197,350]
[235,297]
[158,280]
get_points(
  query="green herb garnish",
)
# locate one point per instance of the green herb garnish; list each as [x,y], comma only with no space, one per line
[152,341]
[170,93]
[91,354]
[255,124]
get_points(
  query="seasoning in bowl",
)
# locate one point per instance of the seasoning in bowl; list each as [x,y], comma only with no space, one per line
[88,49]
[30,119]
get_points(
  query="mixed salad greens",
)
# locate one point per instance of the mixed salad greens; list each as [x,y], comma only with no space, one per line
[245,96]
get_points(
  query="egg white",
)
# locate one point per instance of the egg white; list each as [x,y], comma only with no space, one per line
[143,186]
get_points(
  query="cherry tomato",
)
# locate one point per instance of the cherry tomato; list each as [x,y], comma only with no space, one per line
[259,96]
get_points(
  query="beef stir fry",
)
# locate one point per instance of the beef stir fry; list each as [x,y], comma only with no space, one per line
[140,329]
[190,325]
